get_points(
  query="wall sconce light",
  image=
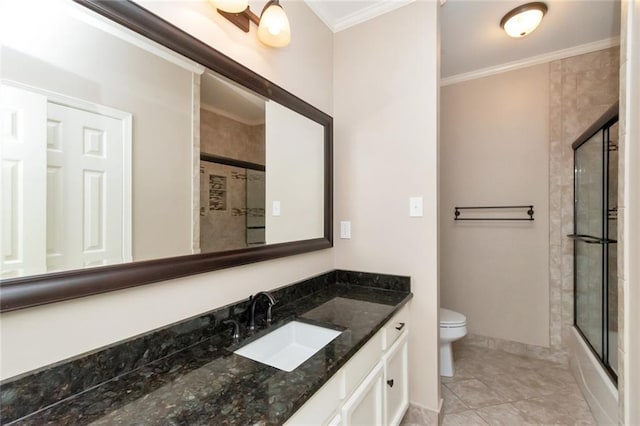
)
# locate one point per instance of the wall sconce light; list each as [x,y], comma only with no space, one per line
[273,24]
[523,20]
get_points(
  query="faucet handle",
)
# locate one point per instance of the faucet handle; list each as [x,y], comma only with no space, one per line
[236,328]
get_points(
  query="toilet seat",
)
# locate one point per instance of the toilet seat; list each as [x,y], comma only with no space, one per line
[451,319]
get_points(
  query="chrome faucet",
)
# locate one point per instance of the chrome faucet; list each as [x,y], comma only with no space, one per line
[252,312]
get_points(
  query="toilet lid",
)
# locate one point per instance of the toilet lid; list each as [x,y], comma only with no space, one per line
[450,317]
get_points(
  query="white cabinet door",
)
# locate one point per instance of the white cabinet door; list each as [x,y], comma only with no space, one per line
[366,405]
[396,377]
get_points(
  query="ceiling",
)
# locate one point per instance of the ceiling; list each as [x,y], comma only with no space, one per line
[471,37]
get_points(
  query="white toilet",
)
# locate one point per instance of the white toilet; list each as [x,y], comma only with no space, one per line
[453,326]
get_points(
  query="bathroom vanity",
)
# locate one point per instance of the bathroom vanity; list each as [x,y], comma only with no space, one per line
[372,388]
[188,373]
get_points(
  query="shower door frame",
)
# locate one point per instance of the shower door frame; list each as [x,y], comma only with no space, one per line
[603,126]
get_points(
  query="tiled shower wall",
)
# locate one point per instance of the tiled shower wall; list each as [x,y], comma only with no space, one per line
[230,138]
[582,88]
[223,221]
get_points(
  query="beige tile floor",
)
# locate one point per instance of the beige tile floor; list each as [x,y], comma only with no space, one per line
[497,388]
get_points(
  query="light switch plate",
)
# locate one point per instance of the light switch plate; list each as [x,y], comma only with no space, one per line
[275,209]
[345,230]
[415,206]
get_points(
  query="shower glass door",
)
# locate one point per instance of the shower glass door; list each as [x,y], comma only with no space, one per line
[612,249]
[595,260]
[589,189]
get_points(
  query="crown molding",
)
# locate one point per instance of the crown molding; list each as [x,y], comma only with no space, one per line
[376,9]
[313,5]
[533,60]
[373,11]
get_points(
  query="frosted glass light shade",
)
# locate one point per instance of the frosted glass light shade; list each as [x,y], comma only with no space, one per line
[274,27]
[523,20]
[231,6]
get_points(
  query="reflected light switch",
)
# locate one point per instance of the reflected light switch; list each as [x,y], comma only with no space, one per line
[345,230]
[415,206]
[275,209]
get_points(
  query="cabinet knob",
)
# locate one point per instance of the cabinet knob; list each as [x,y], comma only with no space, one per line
[390,383]
[400,327]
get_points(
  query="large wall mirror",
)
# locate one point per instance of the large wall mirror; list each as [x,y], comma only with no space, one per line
[134,153]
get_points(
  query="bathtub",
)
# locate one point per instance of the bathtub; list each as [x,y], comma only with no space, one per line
[597,387]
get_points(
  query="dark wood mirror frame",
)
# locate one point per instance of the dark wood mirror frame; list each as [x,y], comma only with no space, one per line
[18,293]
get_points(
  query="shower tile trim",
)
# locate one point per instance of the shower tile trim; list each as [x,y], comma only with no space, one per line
[195,188]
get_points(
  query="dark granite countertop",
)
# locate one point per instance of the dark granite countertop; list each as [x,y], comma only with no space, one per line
[206,383]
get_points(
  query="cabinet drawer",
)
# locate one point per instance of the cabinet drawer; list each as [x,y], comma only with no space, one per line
[395,327]
[321,407]
[361,364]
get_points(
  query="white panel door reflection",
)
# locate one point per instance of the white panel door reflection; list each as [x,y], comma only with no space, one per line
[84,189]
[65,185]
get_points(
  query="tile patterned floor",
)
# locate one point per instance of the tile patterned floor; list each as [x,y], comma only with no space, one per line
[498,388]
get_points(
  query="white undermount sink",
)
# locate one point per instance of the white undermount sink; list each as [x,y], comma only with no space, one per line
[288,346]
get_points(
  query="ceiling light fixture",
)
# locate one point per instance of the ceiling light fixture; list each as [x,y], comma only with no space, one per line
[273,24]
[523,20]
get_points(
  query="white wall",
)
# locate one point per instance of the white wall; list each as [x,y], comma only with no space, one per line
[494,151]
[295,175]
[385,104]
[38,336]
